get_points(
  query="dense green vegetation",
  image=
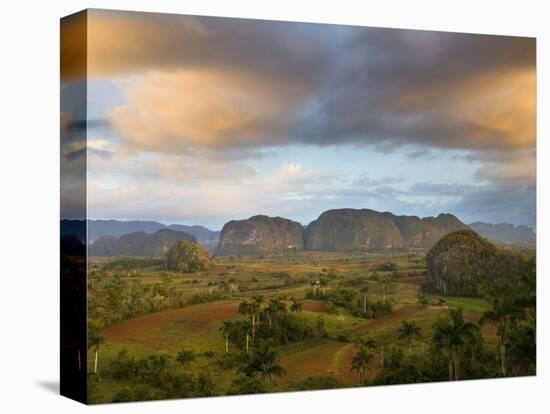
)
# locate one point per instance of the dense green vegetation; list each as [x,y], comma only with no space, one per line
[464,264]
[298,321]
[187,256]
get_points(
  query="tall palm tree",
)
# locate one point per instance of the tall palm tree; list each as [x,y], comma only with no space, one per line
[324,283]
[409,330]
[452,334]
[386,281]
[250,309]
[277,306]
[315,284]
[265,361]
[364,292]
[296,306]
[504,314]
[95,339]
[522,348]
[185,357]
[258,301]
[362,361]
[159,364]
[227,328]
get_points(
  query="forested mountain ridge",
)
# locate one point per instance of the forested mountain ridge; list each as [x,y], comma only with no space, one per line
[505,233]
[138,243]
[117,228]
[352,229]
[261,234]
[335,230]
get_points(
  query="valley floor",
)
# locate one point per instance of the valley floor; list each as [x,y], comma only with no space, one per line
[165,326]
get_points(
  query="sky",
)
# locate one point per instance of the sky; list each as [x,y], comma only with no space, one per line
[201,120]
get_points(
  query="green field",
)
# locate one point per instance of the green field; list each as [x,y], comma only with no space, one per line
[146,311]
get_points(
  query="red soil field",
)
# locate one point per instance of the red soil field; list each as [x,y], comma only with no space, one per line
[314,306]
[198,315]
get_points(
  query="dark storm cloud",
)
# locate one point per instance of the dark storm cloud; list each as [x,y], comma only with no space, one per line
[500,204]
[221,90]
[324,84]
[436,89]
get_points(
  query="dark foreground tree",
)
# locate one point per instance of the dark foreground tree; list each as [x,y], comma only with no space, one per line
[409,331]
[450,335]
[265,361]
[523,346]
[185,357]
[249,384]
[504,314]
[362,361]
[296,306]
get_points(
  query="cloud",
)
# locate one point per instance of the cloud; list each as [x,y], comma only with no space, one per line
[234,83]
[185,104]
[176,111]
[441,90]
[515,170]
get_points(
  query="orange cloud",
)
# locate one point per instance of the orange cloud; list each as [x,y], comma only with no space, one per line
[233,83]
[171,111]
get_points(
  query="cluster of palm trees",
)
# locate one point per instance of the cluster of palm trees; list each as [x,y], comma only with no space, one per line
[258,313]
[265,361]
[453,337]
[320,284]
[504,314]
[386,282]
[362,361]
[451,334]
[409,331]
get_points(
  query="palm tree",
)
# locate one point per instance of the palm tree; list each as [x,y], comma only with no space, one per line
[277,306]
[314,285]
[249,309]
[368,342]
[361,361]
[386,281]
[95,339]
[185,357]
[265,361]
[258,301]
[451,333]
[504,314]
[227,328]
[409,330]
[522,348]
[324,283]
[364,292]
[296,306]
[159,364]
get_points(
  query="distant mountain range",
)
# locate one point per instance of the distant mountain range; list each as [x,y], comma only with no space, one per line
[261,234]
[342,229]
[117,228]
[138,243]
[505,233]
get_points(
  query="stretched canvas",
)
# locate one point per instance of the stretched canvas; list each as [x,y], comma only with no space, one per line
[253,206]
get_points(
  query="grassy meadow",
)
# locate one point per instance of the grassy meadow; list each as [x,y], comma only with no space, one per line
[139,311]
